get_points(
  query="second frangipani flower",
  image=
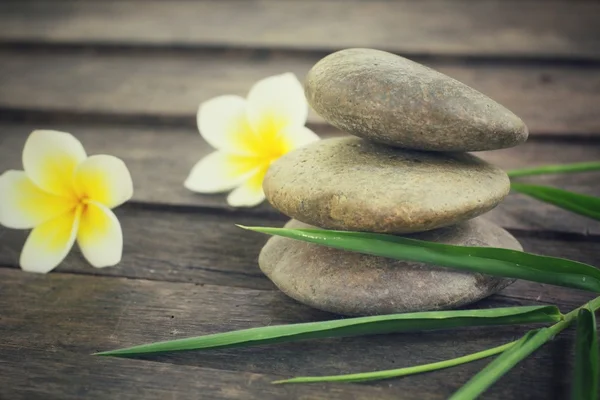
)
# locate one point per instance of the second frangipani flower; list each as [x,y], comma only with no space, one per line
[65,196]
[248,135]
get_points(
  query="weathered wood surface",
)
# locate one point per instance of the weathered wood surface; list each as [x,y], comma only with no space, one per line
[171,85]
[531,28]
[60,319]
[206,247]
[161,158]
[126,77]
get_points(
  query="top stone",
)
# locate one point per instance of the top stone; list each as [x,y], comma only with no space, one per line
[389,99]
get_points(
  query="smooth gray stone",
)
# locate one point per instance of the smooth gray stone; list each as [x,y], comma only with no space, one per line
[390,99]
[353,184]
[354,284]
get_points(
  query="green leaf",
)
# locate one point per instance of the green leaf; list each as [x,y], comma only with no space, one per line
[352,327]
[485,260]
[395,373]
[556,169]
[585,382]
[582,204]
[507,360]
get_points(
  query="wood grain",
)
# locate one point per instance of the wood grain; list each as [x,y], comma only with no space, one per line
[170,85]
[60,319]
[161,158]
[205,247]
[51,374]
[459,27]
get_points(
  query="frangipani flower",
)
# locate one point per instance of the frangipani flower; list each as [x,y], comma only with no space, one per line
[64,195]
[248,135]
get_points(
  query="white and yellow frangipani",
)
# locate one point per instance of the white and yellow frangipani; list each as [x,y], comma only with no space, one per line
[65,196]
[248,135]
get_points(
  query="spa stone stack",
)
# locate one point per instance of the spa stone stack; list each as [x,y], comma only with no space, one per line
[406,171]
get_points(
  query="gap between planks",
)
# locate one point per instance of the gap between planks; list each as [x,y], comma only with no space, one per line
[558,30]
[159,86]
[160,159]
[79,315]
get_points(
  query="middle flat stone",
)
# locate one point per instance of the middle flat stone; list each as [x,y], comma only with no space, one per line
[352,184]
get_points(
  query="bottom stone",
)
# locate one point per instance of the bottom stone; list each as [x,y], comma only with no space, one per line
[355,284]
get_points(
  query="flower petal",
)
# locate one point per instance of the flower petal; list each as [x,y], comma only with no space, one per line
[277,102]
[50,159]
[220,172]
[298,136]
[104,179]
[100,237]
[251,193]
[23,205]
[223,123]
[49,243]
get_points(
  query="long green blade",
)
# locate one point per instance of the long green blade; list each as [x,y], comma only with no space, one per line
[582,204]
[556,169]
[485,260]
[585,381]
[396,373]
[507,360]
[420,321]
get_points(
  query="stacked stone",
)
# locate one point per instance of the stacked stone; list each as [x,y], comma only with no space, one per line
[406,171]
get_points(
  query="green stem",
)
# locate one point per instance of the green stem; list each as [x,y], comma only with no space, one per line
[555,169]
[394,373]
[518,352]
[570,317]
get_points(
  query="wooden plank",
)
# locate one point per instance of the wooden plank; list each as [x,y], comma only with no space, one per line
[48,375]
[48,319]
[198,247]
[207,248]
[460,27]
[161,158]
[171,85]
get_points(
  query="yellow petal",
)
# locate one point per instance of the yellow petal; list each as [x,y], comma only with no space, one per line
[277,102]
[220,172]
[100,237]
[249,194]
[104,179]
[223,123]
[50,159]
[24,206]
[49,243]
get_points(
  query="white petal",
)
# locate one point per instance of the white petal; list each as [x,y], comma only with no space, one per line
[250,194]
[24,206]
[220,172]
[104,179]
[298,136]
[50,159]
[100,237]
[277,102]
[223,123]
[49,243]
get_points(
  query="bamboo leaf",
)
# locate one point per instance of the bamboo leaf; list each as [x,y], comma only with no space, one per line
[485,260]
[352,327]
[556,169]
[395,373]
[582,204]
[585,382]
[507,360]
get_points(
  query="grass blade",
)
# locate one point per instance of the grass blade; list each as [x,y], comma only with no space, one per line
[585,381]
[582,204]
[396,373]
[497,368]
[556,169]
[352,327]
[485,260]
